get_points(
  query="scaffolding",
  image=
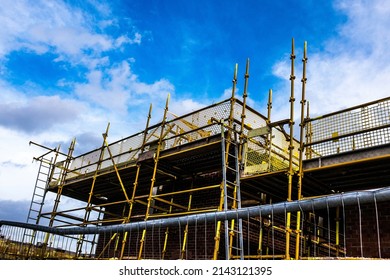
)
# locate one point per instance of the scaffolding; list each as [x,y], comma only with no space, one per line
[186,187]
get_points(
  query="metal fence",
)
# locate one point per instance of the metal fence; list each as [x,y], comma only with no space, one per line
[326,231]
[360,127]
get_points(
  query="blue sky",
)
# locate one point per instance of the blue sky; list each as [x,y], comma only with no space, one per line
[67,68]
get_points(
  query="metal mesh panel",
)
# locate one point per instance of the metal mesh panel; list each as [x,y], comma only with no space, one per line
[256,156]
[260,158]
[362,127]
[252,119]
[179,131]
[189,128]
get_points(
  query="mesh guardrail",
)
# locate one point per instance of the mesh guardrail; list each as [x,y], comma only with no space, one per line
[360,127]
[185,129]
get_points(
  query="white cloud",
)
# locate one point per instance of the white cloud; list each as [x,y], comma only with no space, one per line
[118,89]
[367,24]
[17,172]
[353,69]
[52,118]
[125,39]
[184,106]
[39,113]
[54,26]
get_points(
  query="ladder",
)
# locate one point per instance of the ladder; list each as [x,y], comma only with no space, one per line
[38,198]
[231,179]
[231,194]
[40,190]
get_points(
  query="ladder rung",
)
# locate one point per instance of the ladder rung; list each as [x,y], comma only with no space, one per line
[40,203]
[232,183]
[236,248]
[40,192]
[236,231]
[38,195]
[231,142]
[228,196]
[231,155]
[39,189]
[233,169]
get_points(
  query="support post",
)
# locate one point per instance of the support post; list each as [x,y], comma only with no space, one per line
[183,249]
[88,208]
[59,191]
[243,116]
[268,121]
[135,184]
[291,149]
[225,155]
[301,145]
[153,179]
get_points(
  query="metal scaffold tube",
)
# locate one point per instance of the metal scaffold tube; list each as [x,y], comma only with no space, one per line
[135,184]
[324,202]
[291,150]
[301,147]
[225,152]
[153,179]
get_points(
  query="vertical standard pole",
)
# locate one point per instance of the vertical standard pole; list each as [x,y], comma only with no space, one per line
[183,249]
[153,179]
[99,163]
[244,97]
[135,184]
[269,106]
[301,146]
[291,149]
[59,191]
[232,99]
[337,230]
[88,208]
[268,121]
[308,152]
[225,159]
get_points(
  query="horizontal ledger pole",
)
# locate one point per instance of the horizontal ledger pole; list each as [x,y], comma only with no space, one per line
[330,201]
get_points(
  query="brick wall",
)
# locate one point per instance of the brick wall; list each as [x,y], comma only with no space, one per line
[362,234]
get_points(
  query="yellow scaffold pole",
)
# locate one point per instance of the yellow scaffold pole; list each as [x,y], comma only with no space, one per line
[243,116]
[291,150]
[59,191]
[301,148]
[153,179]
[217,237]
[135,184]
[183,249]
[269,137]
[88,207]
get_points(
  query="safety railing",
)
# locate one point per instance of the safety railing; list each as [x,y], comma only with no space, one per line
[360,127]
[41,245]
[330,226]
[186,129]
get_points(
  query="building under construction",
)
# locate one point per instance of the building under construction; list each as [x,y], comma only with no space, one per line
[222,182]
